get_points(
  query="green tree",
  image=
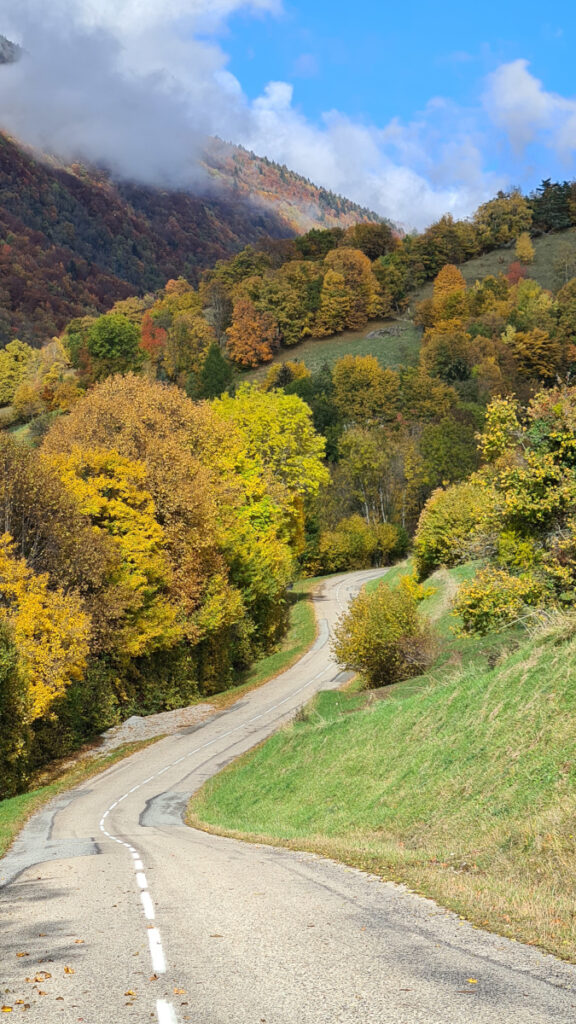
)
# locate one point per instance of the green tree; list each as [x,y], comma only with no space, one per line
[15,735]
[215,377]
[447,525]
[113,344]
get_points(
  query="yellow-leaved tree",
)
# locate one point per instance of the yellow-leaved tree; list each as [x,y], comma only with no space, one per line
[279,436]
[524,250]
[50,630]
[110,489]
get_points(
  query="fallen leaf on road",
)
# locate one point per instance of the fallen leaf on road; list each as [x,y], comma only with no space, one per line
[59,999]
[472,981]
[22,954]
[69,970]
[179,991]
[153,977]
[129,993]
[79,942]
[216,936]
[6,1009]
[42,976]
[40,993]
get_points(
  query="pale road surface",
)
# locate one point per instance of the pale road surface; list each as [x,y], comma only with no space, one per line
[127,915]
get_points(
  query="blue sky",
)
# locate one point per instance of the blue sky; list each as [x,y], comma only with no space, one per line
[377,62]
[380,60]
[413,110]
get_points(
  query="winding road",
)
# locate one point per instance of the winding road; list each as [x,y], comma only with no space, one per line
[113,911]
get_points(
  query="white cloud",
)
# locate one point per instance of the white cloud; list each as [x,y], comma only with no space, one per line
[406,172]
[517,103]
[121,82]
[138,84]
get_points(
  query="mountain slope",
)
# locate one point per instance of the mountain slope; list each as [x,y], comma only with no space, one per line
[296,199]
[72,241]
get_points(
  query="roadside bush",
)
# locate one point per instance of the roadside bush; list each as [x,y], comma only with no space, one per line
[350,545]
[446,524]
[495,598]
[383,637]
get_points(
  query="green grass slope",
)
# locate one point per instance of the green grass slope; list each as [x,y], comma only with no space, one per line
[396,342]
[460,784]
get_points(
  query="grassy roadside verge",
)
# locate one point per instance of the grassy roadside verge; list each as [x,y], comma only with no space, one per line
[460,784]
[15,812]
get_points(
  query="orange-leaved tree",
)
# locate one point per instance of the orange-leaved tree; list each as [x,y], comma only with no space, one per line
[252,336]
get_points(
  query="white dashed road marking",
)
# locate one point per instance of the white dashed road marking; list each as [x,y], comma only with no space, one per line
[166,1013]
[165,1010]
[156,951]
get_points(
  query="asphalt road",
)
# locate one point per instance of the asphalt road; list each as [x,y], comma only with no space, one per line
[113,911]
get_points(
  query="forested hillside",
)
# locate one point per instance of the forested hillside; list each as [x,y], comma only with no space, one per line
[296,199]
[156,507]
[73,242]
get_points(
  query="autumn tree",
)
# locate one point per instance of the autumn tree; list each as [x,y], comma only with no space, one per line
[383,636]
[159,426]
[50,629]
[501,220]
[536,354]
[447,281]
[524,250]
[364,391]
[226,497]
[252,336]
[109,489]
[189,339]
[281,375]
[447,524]
[15,361]
[153,340]
[335,305]
[362,286]
[279,435]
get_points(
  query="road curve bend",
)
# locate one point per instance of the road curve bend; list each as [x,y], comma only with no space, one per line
[113,911]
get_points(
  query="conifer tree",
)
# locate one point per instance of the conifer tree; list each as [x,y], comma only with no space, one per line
[216,375]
